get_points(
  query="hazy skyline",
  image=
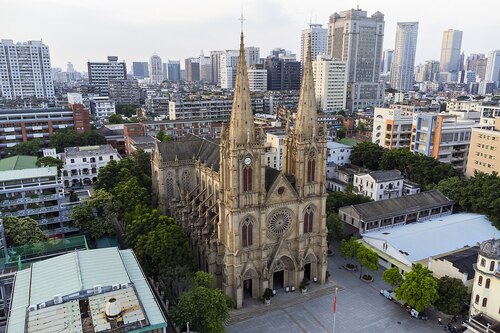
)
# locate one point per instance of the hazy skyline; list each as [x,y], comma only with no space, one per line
[133,30]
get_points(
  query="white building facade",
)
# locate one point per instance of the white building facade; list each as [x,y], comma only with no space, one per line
[338,153]
[228,63]
[319,39]
[379,185]
[257,79]
[392,128]
[102,107]
[25,70]
[155,69]
[404,56]
[330,83]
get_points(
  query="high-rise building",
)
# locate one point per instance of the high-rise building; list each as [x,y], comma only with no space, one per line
[283,71]
[493,67]
[101,72]
[164,67]
[228,64]
[257,78]
[476,63]
[25,70]
[319,37]
[330,83]
[404,56]
[140,69]
[192,69]
[358,39]
[155,69]
[252,55]
[450,53]
[205,68]
[174,70]
[386,62]
[429,71]
[215,63]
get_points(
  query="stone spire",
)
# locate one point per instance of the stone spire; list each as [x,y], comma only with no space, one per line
[241,127]
[305,125]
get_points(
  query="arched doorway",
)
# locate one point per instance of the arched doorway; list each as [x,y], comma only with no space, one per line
[310,267]
[284,274]
[251,284]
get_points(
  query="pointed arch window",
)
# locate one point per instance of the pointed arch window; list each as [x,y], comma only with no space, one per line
[247,178]
[247,233]
[311,170]
[308,220]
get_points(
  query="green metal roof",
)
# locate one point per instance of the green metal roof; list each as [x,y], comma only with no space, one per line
[18,163]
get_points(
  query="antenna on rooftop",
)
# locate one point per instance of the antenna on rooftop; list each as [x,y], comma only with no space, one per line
[357,4]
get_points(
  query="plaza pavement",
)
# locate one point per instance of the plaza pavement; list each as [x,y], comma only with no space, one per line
[360,308]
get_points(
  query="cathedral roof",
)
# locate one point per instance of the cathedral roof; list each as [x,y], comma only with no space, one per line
[207,151]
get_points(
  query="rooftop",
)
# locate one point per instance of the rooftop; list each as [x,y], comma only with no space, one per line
[28,173]
[72,290]
[386,175]
[18,163]
[89,151]
[439,235]
[463,260]
[375,210]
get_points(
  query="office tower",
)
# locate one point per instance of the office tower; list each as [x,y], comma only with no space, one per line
[205,68]
[174,70]
[101,72]
[450,54]
[25,70]
[476,63]
[358,39]
[386,62]
[430,71]
[319,37]
[192,69]
[283,71]
[252,55]
[257,78]
[330,79]
[228,65]
[155,69]
[164,67]
[140,69]
[215,63]
[493,67]
[404,56]
[71,73]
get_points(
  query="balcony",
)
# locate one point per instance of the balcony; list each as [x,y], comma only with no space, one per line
[20,201]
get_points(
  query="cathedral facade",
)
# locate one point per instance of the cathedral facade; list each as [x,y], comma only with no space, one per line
[253,227]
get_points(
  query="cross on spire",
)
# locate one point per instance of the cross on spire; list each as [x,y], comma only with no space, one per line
[241,19]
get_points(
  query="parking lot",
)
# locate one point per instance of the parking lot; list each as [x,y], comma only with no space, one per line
[360,308]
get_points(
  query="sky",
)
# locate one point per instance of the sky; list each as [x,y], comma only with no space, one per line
[90,30]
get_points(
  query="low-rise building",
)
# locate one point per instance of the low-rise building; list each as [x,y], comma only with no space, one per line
[101,290]
[102,107]
[82,164]
[484,151]
[206,107]
[338,153]
[377,215]
[457,265]
[36,192]
[485,299]
[392,127]
[379,185]
[257,79]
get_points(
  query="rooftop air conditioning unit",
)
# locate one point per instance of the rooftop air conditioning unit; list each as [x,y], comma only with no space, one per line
[115,287]
[124,285]
[32,308]
[97,289]
[42,305]
[58,299]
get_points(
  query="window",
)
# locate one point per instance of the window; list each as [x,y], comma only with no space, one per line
[483,262]
[85,159]
[492,265]
[100,158]
[72,160]
[477,299]
[308,220]
[311,170]
[487,284]
[485,301]
[247,178]
[247,233]
[480,281]
[111,157]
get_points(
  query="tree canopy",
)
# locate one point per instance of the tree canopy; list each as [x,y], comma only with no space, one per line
[22,231]
[335,228]
[116,119]
[453,296]
[393,277]
[203,307]
[367,155]
[29,148]
[341,132]
[367,258]
[335,200]
[419,289]
[127,110]
[349,248]
[71,138]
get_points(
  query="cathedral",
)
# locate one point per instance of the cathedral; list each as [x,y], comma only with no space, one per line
[251,226]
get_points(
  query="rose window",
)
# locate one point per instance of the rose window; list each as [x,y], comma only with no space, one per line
[279,222]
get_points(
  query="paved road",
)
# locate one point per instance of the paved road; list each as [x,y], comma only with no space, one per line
[360,308]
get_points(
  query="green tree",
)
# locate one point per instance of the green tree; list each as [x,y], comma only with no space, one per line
[160,135]
[116,119]
[73,197]
[49,161]
[393,277]
[204,308]
[22,231]
[360,127]
[335,228]
[453,296]
[349,248]
[71,138]
[128,194]
[419,289]
[335,200]
[204,279]
[95,217]
[127,110]
[367,258]
[29,148]
[367,155]
[142,221]
[341,132]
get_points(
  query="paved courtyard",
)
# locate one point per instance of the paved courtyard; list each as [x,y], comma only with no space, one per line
[360,308]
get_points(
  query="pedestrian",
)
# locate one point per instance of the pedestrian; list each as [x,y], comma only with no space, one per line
[439,320]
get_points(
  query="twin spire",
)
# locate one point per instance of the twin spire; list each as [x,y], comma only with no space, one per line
[241,127]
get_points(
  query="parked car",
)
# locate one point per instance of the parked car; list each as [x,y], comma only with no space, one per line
[419,315]
[387,294]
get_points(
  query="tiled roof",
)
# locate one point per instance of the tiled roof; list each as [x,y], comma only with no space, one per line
[18,163]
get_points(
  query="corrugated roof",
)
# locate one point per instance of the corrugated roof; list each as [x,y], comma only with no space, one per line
[19,302]
[105,269]
[436,236]
[386,175]
[28,173]
[406,204]
[18,163]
